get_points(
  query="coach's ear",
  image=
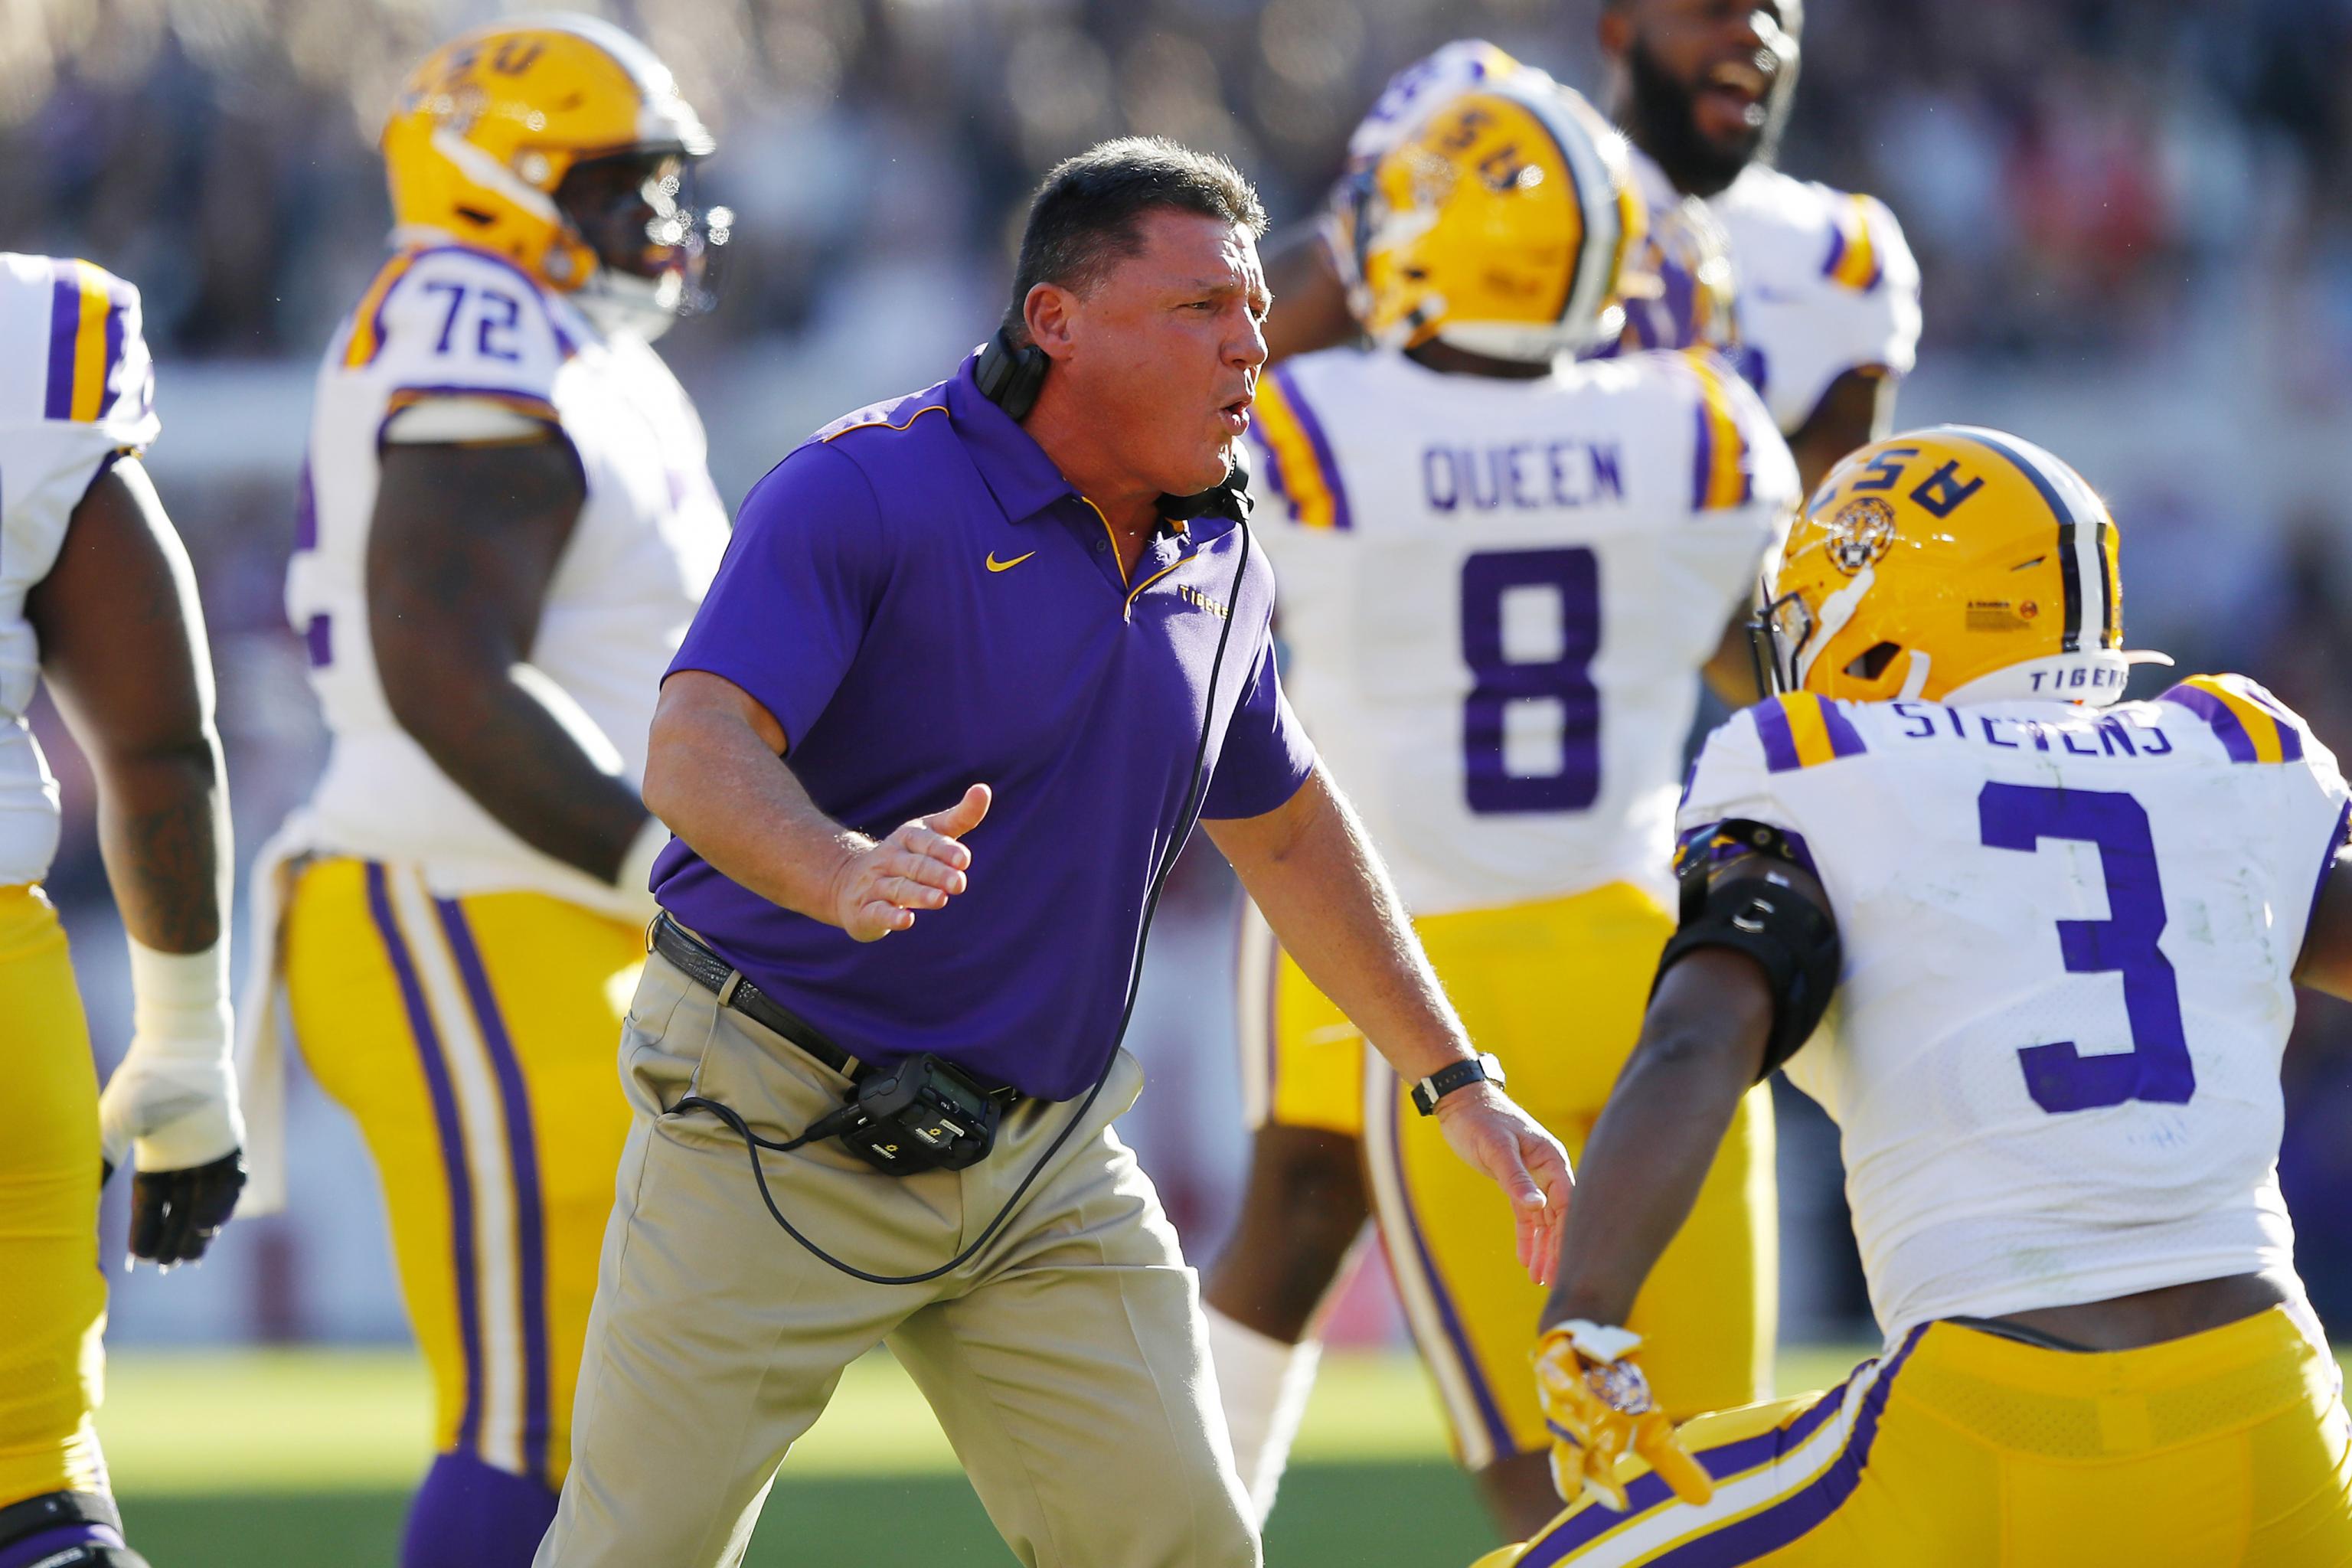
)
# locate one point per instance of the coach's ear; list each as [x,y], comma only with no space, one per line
[1050,312]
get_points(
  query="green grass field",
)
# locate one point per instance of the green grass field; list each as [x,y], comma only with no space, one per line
[305,1458]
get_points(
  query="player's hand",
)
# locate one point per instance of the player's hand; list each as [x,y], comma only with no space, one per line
[172,1107]
[919,867]
[1528,1162]
[1597,1402]
[175,1215]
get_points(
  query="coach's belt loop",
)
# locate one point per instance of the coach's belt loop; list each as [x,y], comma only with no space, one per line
[727,991]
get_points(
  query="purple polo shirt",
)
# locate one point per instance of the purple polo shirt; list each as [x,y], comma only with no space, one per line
[924,602]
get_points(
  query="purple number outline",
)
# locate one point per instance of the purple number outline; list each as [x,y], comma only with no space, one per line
[2158,1067]
[1575,575]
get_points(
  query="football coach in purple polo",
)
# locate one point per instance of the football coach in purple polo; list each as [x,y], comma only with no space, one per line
[967,676]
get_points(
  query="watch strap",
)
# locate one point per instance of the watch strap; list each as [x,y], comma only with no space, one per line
[1480,1069]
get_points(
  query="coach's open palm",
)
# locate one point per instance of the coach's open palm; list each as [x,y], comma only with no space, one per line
[1486,1128]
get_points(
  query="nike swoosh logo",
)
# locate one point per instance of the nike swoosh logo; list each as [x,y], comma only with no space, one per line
[996,565]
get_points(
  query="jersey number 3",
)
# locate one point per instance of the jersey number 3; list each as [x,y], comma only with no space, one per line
[2157,1067]
[1561,681]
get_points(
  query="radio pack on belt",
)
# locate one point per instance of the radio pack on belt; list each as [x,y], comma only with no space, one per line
[924,1114]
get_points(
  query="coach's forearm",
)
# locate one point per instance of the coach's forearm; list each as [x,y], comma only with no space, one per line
[1321,887]
[717,783]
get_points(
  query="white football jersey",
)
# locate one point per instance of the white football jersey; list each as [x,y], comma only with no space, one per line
[441,325]
[1496,595]
[2069,941]
[1823,279]
[77,390]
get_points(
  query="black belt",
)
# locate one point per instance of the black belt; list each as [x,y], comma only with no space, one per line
[707,969]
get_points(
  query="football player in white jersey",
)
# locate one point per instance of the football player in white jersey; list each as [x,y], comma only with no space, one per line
[97,598]
[1502,574]
[2057,936]
[508,523]
[1828,291]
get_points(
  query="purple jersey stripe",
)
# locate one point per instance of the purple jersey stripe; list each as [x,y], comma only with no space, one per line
[522,1154]
[306,510]
[1793,1516]
[1498,1431]
[1837,251]
[2327,863]
[1723,1462]
[453,1149]
[1780,740]
[113,350]
[319,639]
[1702,457]
[1313,426]
[65,325]
[1844,740]
[2216,713]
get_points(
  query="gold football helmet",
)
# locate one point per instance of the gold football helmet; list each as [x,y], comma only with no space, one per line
[1951,565]
[1500,225]
[488,127]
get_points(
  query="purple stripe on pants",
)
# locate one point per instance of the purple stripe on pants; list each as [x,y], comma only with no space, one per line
[1775,1527]
[1498,1431]
[453,1149]
[522,1154]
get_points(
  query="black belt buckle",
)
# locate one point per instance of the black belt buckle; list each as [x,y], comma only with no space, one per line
[923,1114]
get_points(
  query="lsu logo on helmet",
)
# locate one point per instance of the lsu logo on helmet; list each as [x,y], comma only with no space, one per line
[486,127]
[1925,564]
[1501,225]
[1860,533]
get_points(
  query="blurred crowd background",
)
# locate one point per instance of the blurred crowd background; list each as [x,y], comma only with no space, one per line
[2131,216]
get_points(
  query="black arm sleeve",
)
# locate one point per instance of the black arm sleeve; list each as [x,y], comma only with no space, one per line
[1768,918]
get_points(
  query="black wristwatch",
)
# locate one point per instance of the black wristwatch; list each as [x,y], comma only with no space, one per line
[1480,1069]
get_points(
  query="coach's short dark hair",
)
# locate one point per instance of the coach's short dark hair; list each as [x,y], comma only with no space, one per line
[1088,212]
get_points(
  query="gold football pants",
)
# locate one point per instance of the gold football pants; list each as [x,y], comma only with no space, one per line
[472,1040]
[1964,1449]
[52,1294]
[1557,991]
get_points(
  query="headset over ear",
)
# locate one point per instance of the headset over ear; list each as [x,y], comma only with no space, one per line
[1010,377]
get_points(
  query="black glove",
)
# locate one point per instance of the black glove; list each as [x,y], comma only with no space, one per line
[175,1215]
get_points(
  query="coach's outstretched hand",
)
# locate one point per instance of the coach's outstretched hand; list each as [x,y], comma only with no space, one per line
[919,867]
[1488,1130]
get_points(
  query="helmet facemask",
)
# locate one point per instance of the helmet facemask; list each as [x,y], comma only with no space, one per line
[656,244]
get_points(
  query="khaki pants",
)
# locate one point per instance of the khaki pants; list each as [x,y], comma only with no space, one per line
[1066,1361]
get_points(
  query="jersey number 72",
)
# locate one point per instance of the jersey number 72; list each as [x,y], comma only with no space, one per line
[2157,1067]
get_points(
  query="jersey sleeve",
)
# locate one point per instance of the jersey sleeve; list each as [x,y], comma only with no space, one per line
[2305,806]
[463,330]
[1733,780]
[1266,756]
[1827,284]
[788,611]
[77,392]
[1742,481]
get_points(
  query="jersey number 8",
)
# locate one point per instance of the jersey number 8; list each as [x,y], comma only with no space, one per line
[1564,680]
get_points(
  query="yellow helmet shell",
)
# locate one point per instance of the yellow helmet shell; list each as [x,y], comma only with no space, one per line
[1500,225]
[485,130]
[1950,565]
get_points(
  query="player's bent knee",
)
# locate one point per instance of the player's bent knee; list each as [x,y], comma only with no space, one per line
[64,1529]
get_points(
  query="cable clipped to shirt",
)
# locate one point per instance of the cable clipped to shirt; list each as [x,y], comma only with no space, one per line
[904,1091]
